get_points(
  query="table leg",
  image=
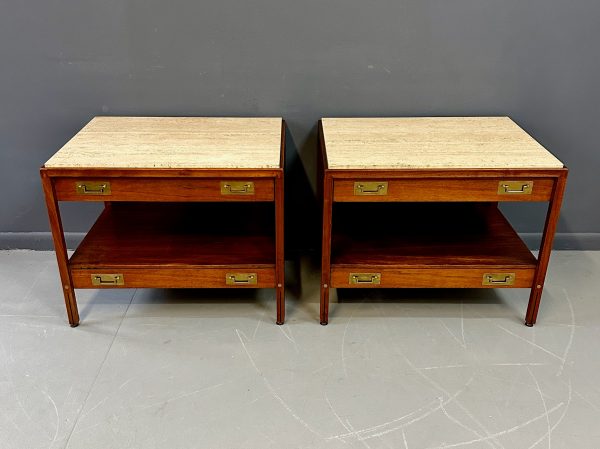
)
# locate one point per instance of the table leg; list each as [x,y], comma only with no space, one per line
[545,250]
[326,248]
[279,249]
[60,248]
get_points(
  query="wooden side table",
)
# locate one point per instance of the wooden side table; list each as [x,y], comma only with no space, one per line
[412,202]
[189,202]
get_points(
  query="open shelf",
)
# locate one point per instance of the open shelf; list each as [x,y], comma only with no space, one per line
[137,235]
[427,245]
[426,234]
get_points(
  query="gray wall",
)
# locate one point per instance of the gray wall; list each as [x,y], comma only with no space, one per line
[62,62]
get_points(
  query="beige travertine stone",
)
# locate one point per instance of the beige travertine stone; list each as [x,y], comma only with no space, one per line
[432,142]
[173,142]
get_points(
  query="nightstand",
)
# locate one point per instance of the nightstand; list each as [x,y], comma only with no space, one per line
[413,202]
[189,202]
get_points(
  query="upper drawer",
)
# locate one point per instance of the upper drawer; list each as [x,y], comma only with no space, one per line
[164,189]
[455,189]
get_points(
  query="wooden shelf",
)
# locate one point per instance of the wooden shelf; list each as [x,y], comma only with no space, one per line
[426,235]
[144,235]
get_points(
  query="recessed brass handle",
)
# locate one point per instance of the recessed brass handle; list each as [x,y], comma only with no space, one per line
[108,279]
[516,187]
[237,187]
[498,279]
[371,188]
[364,278]
[232,189]
[93,187]
[241,278]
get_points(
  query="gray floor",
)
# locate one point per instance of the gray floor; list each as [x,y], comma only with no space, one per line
[210,369]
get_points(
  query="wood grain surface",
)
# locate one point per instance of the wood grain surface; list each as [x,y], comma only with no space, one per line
[154,276]
[163,189]
[451,189]
[433,277]
[142,235]
[426,235]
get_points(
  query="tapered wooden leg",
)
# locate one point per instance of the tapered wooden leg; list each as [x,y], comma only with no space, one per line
[545,250]
[324,316]
[280,304]
[279,249]
[326,248]
[60,248]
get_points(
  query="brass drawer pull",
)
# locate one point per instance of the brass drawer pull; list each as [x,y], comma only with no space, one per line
[364,278]
[237,188]
[241,278]
[498,279]
[371,188]
[108,279]
[92,188]
[515,187]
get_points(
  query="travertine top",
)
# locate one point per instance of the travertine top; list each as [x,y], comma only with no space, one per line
[432,142]
[173,142]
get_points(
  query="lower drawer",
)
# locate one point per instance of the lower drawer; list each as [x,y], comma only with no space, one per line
[435,277]
[171,277]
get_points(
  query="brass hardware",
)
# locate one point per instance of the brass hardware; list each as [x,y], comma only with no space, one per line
[93,187]
[515,187]
[371,188]
[237,188]
[241,278]
[364,278]
[108,279]
[498,279]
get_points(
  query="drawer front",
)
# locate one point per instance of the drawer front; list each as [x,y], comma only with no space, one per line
[467,189]
[173,278]
[382,277]
[164,189]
